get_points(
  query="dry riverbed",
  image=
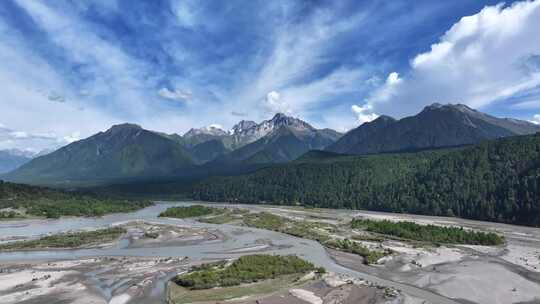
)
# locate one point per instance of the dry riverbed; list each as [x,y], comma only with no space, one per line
[114,280]
[508,273]
[263,278]
[329,288]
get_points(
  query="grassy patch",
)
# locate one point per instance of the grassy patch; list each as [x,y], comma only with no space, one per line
[68,240]
[181,295]
[310,230]
[304,229]
[246,269]
[370,256]
[428,233]
[227,216]
[320,232]
[190,211]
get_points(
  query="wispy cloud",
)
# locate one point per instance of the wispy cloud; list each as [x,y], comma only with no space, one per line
[175,94]
[35,142]
[238,114]
[90,64]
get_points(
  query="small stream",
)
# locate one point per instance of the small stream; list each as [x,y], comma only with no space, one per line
[283,244]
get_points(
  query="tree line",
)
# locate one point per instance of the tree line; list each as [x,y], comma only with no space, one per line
[41,201]
[190,211]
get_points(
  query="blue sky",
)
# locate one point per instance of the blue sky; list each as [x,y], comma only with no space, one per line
[72,68]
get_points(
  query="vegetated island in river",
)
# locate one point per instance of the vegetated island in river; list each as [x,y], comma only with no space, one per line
[320,232]
[428,233]
[19,201]
[264,274]
[335,237]
[68,240]
[190,211]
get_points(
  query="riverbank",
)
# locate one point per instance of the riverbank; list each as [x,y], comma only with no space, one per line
[96,280]
[427,264]
[432,273]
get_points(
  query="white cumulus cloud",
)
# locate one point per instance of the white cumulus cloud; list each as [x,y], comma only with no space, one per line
[536,119]
[75,136]
[484,58]
[274,103]
[385,92]
[364,113]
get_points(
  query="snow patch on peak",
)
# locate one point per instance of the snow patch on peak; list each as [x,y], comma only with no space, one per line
[213,129]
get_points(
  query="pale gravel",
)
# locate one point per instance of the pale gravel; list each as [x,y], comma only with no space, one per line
[306,295]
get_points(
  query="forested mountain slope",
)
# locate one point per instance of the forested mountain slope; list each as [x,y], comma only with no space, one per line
[496,180]
[123,151]
[18,200]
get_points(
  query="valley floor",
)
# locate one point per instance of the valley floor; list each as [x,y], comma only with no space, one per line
[468,273]
[138,266]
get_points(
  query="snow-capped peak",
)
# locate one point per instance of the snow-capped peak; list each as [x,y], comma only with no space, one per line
[213,129]
[248,131]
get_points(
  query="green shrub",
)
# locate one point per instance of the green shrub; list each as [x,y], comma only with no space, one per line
[346,245]
[190,211]
[429,233]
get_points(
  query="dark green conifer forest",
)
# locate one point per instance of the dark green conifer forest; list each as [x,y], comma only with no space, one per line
[495,181]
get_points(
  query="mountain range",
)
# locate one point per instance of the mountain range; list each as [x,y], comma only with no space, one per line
[12,159]
[279,139]
[435,127]
[128,151]
[123,151]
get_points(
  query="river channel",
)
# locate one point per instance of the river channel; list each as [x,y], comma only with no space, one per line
[250,237]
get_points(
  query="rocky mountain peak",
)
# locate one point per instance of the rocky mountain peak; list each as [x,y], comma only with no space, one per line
[455,107]
[124,126]
[281,119]
[383,118]
[242,126]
